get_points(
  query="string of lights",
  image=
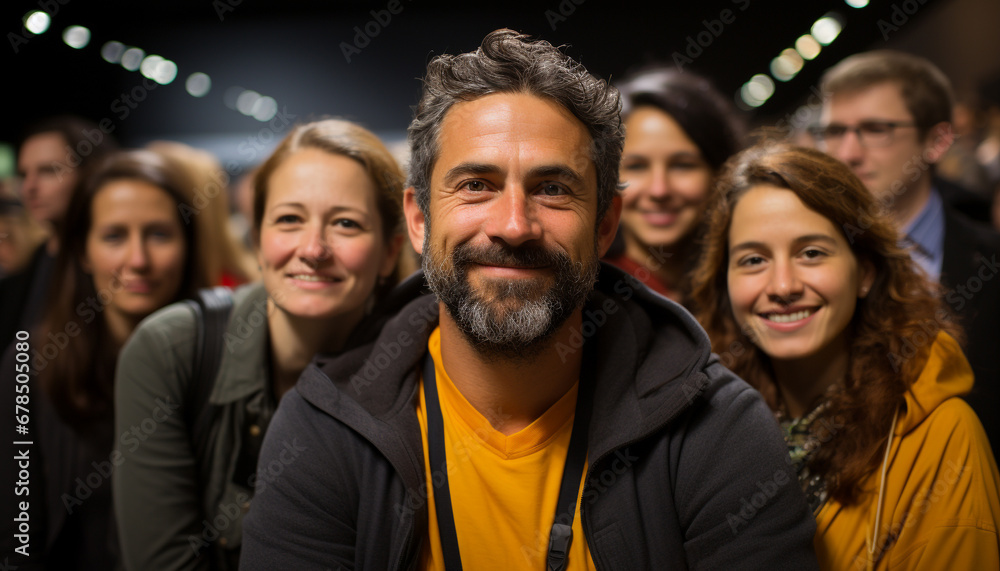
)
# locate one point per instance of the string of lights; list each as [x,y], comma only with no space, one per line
[157,68]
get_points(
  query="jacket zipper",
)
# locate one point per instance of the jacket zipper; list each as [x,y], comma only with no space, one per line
[406,549]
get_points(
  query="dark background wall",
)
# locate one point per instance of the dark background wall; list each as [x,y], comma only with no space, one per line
[293,51]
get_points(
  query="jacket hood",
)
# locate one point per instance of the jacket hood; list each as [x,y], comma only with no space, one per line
[648,352]
[947,374]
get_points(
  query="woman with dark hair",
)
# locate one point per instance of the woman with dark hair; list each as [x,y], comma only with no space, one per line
[125,253]
[678,132]
[806,295]
[327,228]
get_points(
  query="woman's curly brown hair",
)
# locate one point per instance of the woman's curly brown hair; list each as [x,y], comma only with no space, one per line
[902,308]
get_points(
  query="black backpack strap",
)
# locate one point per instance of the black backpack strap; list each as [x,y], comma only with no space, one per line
[212,308]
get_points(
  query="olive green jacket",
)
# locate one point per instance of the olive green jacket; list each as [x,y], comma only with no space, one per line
[176,511]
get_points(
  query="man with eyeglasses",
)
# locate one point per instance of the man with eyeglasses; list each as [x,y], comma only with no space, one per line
[887,115]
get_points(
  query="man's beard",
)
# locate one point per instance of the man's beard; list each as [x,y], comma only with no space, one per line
[509,318]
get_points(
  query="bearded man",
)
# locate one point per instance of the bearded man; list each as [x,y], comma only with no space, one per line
[528,414]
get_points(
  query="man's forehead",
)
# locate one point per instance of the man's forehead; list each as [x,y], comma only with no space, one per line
[880,97]
[499,124]
[46,145]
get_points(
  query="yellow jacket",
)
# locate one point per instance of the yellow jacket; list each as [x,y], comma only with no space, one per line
[939,500]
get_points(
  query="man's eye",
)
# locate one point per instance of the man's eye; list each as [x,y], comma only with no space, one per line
[553,189]
[874,128]
[475,186]
[834,131]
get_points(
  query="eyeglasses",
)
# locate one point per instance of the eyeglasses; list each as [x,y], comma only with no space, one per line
[870,133]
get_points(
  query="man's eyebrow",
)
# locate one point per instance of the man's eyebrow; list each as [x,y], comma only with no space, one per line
[557,172]
[465,169]
[561,172]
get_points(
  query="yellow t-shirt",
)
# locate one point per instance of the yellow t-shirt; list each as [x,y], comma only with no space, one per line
[504,489]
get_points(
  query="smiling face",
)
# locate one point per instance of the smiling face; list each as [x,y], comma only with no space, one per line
[510,247]
[48,181]
[321,247]
[668,182]
[135,250]
[793,280]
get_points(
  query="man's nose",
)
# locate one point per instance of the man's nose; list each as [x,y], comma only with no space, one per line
[850,151]
[513,218]
[28,183]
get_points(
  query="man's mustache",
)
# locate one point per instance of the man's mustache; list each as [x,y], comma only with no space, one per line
[500,254]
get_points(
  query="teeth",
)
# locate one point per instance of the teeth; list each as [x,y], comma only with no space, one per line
[789,317]
[310,278]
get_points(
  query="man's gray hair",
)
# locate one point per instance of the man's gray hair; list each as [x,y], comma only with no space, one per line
[509,62]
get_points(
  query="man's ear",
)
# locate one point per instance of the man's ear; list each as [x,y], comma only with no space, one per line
[609,225]
[939,140]
[414,219]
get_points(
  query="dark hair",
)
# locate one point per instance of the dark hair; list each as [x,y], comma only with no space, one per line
[509,62]
[705,115]
[353,141]
[86,143]
[80,380]
[901,304]
[924,88]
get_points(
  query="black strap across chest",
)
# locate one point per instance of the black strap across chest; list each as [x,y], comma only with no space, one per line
[561,535]
[212,308]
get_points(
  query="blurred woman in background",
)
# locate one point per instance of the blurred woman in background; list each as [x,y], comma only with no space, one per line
[327,228]
[806,295]
[678,132]
[125,253]
[227,262]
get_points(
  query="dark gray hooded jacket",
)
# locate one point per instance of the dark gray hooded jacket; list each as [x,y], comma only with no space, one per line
[688,469]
